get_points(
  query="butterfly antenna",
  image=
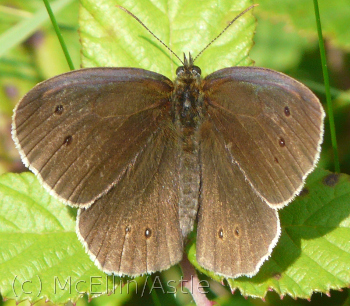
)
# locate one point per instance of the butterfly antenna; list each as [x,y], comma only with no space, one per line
[222,32]
[140,22]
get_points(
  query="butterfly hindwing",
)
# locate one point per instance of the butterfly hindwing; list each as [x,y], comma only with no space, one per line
[236,228]
[134,229]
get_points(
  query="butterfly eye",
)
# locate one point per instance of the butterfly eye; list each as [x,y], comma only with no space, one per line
[197,70]
[179,70]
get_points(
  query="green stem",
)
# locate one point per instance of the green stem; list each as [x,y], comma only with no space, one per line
[327,87]
[59,35]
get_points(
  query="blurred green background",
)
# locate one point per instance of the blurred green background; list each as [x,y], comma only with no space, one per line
[286,40]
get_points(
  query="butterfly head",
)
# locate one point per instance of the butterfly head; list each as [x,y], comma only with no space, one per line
[188,70]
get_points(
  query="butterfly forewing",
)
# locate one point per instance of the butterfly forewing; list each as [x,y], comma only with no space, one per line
[81,131]
[271,126]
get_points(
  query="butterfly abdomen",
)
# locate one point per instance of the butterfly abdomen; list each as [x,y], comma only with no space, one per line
[187,103]
[189,181]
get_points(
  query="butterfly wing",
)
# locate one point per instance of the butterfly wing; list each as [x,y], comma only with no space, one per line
[236,229]
[134,229]
[261,138]
[104,136]
[271,126]
[80,132]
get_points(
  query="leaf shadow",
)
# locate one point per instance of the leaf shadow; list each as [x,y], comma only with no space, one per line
[319,209]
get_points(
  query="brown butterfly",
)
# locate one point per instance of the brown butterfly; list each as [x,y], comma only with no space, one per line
[143,158]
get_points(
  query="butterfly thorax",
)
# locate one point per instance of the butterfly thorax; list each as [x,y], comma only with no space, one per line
[187,107]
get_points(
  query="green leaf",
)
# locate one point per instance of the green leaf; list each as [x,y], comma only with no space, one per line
[40,255]
[110,37]
[299,13]
[275,47]
[313,252]
[38,244]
